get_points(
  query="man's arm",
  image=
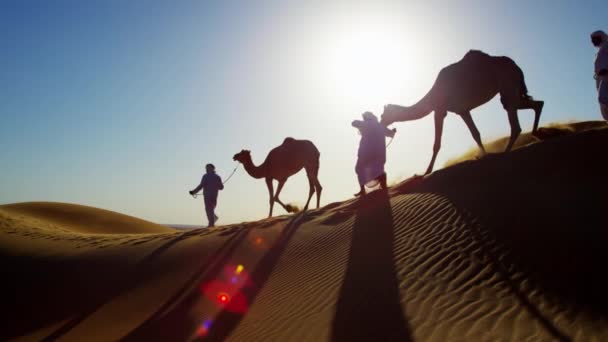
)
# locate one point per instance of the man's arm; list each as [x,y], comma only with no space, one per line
[389,132]
[358,124]
[220,184]
[198,188]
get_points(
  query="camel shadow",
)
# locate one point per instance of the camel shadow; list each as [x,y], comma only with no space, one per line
[539,218]
[227,321]
[143,272]
[74,297]
[369,305]
[172,321]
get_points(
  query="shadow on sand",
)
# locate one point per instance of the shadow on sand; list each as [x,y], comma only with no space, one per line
[227,321]
[172,322]
[369,306]
[538,214]
[69,282]
[144,272]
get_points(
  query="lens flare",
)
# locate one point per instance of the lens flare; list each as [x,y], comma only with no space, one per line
[223,297]
[239,269]
[204,328]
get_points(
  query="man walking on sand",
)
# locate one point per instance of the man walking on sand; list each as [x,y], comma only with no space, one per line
[371,155]
[599,39]
[211,184]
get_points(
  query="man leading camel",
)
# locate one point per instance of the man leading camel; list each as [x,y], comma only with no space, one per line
[211,184]
[372,151]
[600,40]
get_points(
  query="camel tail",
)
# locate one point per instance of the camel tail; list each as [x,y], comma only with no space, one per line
[524,87]
[316,154]
[515,71]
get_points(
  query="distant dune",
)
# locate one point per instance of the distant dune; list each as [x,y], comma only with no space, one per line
[508,247]
[83,219]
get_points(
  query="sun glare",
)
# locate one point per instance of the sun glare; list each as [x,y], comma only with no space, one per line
[369,65]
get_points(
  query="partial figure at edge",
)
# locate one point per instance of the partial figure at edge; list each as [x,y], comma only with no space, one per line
[599,39]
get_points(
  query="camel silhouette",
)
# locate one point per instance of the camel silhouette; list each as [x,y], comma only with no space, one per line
[281,163]
[467,84]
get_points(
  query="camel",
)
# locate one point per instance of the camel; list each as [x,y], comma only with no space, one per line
[467,84]
[281,163]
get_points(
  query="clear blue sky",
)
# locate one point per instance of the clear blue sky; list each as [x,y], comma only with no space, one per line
[119,104]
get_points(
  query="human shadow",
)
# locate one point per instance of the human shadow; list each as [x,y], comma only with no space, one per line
[172,321]
[539,215]
[369,306]
[42,291]
[142,272]
[227,321]
[47,290]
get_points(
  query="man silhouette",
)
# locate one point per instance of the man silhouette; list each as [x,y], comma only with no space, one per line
[211,184]
[599,39]
[371,155]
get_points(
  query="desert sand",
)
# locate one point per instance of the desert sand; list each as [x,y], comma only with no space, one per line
[508,247]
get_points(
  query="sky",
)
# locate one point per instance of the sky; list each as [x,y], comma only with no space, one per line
[120,104]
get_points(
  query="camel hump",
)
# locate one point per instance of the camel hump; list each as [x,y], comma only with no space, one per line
[471,60]
[302,145]
[475,56]
[288,140]
[476,53]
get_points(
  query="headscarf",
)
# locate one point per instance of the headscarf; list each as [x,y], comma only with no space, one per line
[601,59]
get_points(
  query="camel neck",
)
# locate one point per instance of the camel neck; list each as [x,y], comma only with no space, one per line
[254,171]
[421,108]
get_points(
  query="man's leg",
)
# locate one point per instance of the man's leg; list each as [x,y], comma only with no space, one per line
[603,96]
[359,171]
[382,180]
[209,209]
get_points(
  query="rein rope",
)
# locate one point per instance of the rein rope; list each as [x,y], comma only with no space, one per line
[224,182]
[231,174]
[390,142]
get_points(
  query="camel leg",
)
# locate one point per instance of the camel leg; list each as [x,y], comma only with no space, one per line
[439,118]
[313,181]
[474,131]
[276,196]
[318,190]
[537,106]
[515,128]
[311,190]
[271,193]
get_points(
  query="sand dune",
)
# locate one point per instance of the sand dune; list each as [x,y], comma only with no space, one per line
[83,219]
[547,132]
[509,247]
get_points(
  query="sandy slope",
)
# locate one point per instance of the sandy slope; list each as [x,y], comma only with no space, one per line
[525,139]
[83,219]
[510,247]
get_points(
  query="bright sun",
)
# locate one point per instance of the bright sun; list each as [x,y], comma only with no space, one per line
[370,65]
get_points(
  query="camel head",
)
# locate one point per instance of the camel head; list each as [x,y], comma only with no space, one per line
[391,114]
[243,156]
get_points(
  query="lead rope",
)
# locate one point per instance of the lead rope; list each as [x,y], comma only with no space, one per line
[232,174]
[224,182]
[390,142]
